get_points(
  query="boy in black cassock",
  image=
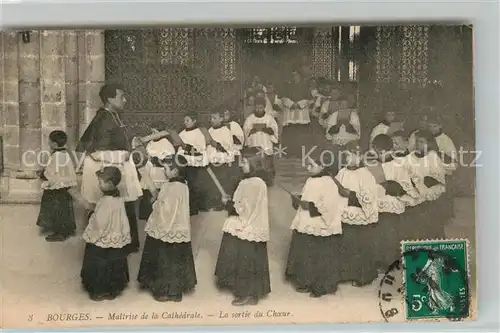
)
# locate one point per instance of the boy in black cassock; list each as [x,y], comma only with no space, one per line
[56,210]
[194,151]
[313,261]
[167,265]
[243,265]
[105,268]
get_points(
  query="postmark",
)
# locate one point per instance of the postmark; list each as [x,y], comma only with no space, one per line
[429,282]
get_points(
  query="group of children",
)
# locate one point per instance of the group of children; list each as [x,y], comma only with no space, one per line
[185,173]
[322,115]
[349,222]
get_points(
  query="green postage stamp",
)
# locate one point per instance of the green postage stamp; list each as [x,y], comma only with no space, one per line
[436,279]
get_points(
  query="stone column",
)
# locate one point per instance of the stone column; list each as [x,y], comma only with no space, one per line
[91,74]
[29,104]
[52,84]
[10,110]
[71,72]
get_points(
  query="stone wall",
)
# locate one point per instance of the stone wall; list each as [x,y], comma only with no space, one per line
[49,82]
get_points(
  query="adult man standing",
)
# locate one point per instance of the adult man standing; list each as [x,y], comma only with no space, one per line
[105,142]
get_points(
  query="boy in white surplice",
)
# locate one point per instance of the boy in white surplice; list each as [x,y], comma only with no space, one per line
[221,155]
[261,132]
[152,173]
[193,149]
[236,130]
[167,267]
[313,261]
[242,264]
[105,269]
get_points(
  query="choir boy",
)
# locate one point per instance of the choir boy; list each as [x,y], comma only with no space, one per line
[400,144]
[387,126]
[359,221]
[423,125]
[448,153]
[313,261]
[193,150]
[296,101]
[429,177]
[242,264]
[248,103]
[236,131]
[332,103]
[167,266]
[445,145]
[274,106]
[261,131]
[390,206]
[104,271]
[221,155]
[343,125]
[56,215]
[152,174]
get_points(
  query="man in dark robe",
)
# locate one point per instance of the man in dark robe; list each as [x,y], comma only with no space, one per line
[106,142]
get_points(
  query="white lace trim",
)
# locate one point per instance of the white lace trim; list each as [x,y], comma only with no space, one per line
[434,192]
[116,241]
[248,233]
[316,230]
[390,204]
[368,214]
[48,185]
[177,236]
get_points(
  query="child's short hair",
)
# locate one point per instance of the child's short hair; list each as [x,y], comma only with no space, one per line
[59,137]
[383,141]
[425,135]
[220,111]
[260,101]
[110,174]
[176,162]
[192,114]
[400,134]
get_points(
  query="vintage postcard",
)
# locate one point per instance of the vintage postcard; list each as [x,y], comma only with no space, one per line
[237,176]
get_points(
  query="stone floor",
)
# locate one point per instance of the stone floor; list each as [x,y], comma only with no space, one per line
[41,279]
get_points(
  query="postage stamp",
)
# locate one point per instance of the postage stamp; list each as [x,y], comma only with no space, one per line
[436,279]
[429,282]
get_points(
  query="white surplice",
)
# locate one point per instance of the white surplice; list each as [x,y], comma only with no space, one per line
[446,146]
[237,131]
[195,138]
[260,139]
[343,137]
[223,136]
[169,220]
[363,183]
[59,172]
[251,205]
[108,226]
[432,166]
[323,192]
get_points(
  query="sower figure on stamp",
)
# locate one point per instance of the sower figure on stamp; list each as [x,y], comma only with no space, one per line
[105,142]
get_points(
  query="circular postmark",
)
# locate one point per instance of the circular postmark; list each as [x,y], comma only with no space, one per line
[427,282]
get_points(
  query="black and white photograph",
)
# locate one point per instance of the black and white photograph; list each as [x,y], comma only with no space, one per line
[232,175]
